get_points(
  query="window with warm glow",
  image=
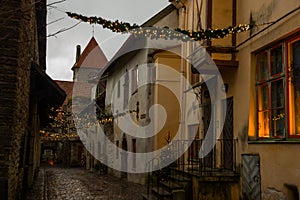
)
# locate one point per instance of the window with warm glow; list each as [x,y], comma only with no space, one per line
[294,86]
[278,90]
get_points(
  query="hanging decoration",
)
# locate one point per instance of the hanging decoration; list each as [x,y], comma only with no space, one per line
[165,33]
[54,136]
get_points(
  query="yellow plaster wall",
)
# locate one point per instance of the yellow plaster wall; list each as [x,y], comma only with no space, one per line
[222,18]
[279,164]
[165,96]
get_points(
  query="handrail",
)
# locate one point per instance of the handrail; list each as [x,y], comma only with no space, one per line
[220,161]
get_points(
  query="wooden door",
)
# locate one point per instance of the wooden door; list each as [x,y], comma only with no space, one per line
[227,134]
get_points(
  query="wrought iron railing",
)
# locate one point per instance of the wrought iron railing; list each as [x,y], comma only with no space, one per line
[220,161]
[221,158]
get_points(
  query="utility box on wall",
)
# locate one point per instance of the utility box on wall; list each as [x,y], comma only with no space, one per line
[251,180]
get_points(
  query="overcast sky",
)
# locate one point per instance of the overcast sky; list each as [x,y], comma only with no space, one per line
[61,49]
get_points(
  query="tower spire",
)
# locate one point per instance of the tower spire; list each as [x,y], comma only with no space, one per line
[93,30]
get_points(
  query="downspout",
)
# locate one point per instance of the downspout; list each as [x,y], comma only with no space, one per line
[209,18]
[234,12]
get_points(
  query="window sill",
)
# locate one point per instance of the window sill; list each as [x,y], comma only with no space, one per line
[274,141]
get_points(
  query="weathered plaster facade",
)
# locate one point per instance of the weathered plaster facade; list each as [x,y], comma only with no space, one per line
[121,95]
[279,170]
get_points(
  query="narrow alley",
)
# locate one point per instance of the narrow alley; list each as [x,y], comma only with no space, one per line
[58,183]
[149,100]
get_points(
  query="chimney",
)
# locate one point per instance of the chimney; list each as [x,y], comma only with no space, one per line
[78,52]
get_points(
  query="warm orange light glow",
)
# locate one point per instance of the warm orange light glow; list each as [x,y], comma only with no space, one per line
[263,124]
[291,109]
[50,162]
[294,96]
[252,118]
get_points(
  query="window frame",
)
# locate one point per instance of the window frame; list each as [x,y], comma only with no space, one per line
[268,79]
[134,80]
[289,133]
[151,73]
[126,90]
[288,44]
[134,150]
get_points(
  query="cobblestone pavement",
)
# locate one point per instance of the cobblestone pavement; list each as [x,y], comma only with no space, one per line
[77,184]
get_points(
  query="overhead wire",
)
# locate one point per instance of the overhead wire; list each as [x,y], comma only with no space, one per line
[269,25]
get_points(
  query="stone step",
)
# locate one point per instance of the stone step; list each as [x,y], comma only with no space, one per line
[170,185]
[149,197]
[179,178]
[161,193]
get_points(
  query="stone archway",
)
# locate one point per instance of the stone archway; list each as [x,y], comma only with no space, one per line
[49,150]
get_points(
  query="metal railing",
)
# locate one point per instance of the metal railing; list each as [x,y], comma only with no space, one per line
[220,161]
[221,158]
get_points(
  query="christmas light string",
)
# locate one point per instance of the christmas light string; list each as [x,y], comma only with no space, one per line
[166,33]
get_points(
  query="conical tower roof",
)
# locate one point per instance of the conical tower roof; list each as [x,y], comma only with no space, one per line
[91,57]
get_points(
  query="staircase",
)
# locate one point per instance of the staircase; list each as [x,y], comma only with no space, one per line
[217,170]
[174,186]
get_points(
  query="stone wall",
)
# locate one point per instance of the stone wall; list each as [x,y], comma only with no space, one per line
[18,49]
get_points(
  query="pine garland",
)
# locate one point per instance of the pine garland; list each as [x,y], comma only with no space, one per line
[165,33]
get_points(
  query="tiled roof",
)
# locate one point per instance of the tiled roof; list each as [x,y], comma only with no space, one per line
[67,86]
[92,56]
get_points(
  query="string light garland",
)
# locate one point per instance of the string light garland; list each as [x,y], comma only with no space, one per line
[53,136]
[165,33]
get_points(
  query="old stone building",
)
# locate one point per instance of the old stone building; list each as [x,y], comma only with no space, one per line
[253,157]
[27,92]
[57,136]
[61,138]
[88,64]
[125,74]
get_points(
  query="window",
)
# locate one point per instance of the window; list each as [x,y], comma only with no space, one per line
[134,80]
[278,91]
[118,89]
[294,86]
[151,73]
[126,90]
[134,153]
[117,149]
[195,78]
[270,93]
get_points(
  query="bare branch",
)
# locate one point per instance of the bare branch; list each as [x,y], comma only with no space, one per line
[63,30]
[56,2]
[56,8]
[55,21]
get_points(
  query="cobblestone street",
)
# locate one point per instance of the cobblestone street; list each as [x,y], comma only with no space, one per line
[78,184]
